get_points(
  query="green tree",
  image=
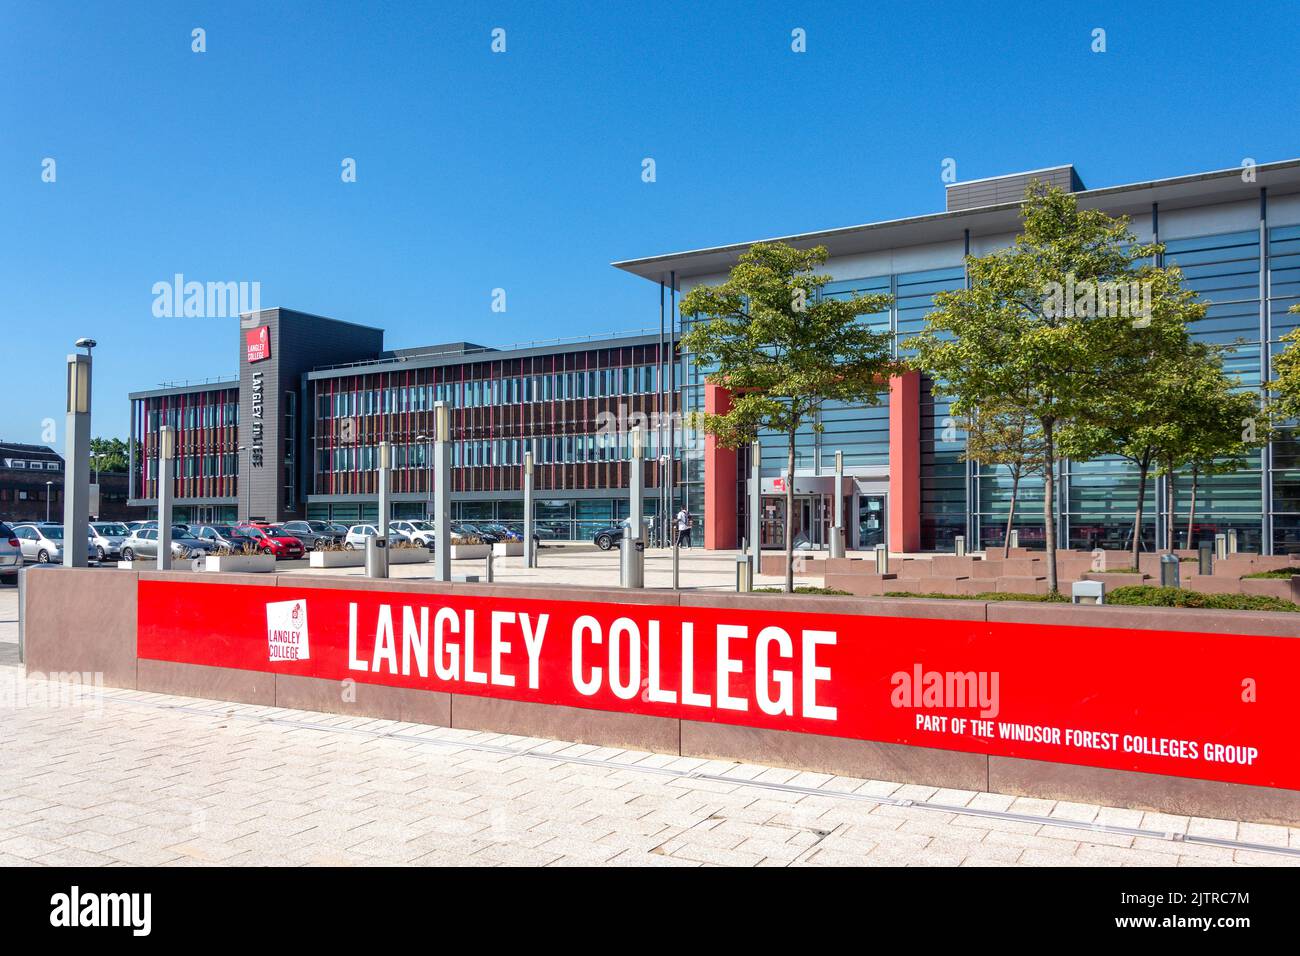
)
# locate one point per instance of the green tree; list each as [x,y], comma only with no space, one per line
[1173,405]
[1286,403]
[1053,317]
[1222,426]
[783,349]
[108,454]
[1006,432]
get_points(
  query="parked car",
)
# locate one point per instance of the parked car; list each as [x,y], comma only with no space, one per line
[607,537]
[503,533]
[421,532]
[143,543]
[137,525]
[11,554]
[462,529]
[313,534]
[220,535]
[40,542]
[272,539]
[358,533]
[107,537]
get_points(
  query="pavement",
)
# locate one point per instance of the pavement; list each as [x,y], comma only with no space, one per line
[122,777]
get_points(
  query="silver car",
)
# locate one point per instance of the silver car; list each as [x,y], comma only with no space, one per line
[43,543]
[107,537]
[143,543]
[11,554]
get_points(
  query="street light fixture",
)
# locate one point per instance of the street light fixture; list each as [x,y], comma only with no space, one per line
[76,473]
[48,485]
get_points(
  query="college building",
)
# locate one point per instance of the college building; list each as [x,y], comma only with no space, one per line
[296,435]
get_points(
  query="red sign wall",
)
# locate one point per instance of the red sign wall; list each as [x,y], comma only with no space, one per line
[1211,706]
[258,341]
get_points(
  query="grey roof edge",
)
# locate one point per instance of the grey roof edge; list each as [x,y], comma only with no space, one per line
[645,266]
[1026,172]
[313,315]
[183,388]
[438,359]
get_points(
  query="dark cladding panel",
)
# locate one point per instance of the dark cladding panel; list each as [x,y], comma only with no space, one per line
[276,347]
[1011,188]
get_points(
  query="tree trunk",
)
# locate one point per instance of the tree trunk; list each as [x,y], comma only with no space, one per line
[789,515]
[1049,504]
[1143,467]
[1191,510]
[1011,514]
[1169,507]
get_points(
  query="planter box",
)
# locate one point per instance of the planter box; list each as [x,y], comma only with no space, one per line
[508,549]
[407,555]
[336,559]
[240,562]
[137,565]
[1283,589]
[465,552]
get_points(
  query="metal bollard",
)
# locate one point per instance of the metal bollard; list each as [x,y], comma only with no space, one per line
[882,559]
[744,570]
[489,564]
[1205,558]
[376,556]
[1169,570]
[632,563]
[1232,540]
[1220,546]
[1015,538]
[959,545]
[837,542]
[676,551]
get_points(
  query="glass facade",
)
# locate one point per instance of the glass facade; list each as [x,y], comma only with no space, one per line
[207,442]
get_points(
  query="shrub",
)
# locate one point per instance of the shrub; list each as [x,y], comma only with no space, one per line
[805,589]
[983,596]
[1283,573]
[1149,596]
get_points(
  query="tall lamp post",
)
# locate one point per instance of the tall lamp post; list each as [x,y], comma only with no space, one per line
[76,474]
[385,474]
[530,556]
[166,477]
[442,491]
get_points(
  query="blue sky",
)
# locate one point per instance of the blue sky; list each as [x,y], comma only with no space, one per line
[522,170]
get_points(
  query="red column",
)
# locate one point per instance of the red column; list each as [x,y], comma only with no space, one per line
[719,478]
[905,462]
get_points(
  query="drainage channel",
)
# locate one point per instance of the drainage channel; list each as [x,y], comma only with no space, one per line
[533,752]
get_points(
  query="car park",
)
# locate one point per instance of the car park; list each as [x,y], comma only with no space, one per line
[272,539]
[220,535]
[421,532]
[462,530]
[358,533]
[11,554]
[313,534]
[107,537]
[143,544]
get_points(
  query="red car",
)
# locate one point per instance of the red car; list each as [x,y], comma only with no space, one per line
[272,539]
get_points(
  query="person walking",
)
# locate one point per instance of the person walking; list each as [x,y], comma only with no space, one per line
[683,528]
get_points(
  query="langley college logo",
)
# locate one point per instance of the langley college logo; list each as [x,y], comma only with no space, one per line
[286,631]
